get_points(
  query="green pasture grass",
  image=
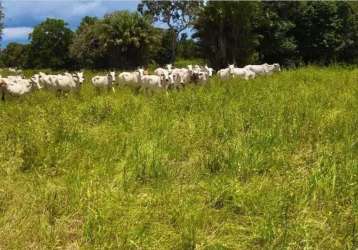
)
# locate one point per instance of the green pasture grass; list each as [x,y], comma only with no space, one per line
[270,163]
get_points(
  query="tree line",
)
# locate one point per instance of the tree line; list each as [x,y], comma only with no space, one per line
[291,33]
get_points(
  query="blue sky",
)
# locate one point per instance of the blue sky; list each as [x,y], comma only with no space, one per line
[21,15]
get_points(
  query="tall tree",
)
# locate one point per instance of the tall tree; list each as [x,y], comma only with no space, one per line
[49,45]
[187,48]
[226,32]
[121,39]
[277,43]
[15,55]
[177,15]
[164,52]
[348,49]
[326,31]
[87,20]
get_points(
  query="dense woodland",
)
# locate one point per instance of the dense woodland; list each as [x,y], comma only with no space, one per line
[290,33]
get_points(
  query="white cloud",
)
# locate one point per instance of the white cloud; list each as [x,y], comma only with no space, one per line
[82,9]
[22,15]
[16,33]
[32,12]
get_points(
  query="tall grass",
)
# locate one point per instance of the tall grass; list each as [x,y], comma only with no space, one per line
[265,164]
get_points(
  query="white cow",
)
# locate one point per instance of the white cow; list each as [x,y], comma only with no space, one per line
[64,82]
[178,79]
[263,69]
[48,81]
[14,77]
[202,76]
[182,76]
[241,72]
[224,74]
[15,87]
[209,70]
[273,68]
[104,81]
[15,70]
[150,81]
[166,76]
[161,72]
[36,79]
[169,68]
[197,67]
[69,82]
[173,79]
[130,78]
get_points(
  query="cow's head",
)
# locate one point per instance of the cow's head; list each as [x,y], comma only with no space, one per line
[277,67]
[35,80]
[169,67]
[141,72]
[113,75]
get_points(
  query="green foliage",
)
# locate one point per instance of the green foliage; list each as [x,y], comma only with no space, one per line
[164,52]
[122,39]
[264,164]
[291,33]
[183,63]
[326,31]
[285,32]
[177,15]
[87,20]
[49,47]
[226,32]
[15,55]
[187,48]
[277,43]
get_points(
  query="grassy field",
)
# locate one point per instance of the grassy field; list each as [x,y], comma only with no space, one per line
[265,164]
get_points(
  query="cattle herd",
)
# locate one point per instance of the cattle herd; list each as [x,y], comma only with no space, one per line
[163,78]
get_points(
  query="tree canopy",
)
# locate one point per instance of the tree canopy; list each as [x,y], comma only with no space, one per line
[49,47]
[226,32]
[177,15]
[120,39]
[324,31]
[290,33]
[15,55]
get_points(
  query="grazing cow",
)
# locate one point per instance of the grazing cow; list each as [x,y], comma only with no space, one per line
[209,70]
[69,81]
[241,72]
[150,81]
[224,74]
[15,86]
[182,76]
[178,79]
[130,78]
[36,79]
[263,69]
[161,72]
[48,81]
[202,76]
[15,70]
[166,76]
[104,81]
[197,67]
[273,68]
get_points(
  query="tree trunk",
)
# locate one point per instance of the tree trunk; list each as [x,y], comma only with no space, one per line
[173,46]
[222,60]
